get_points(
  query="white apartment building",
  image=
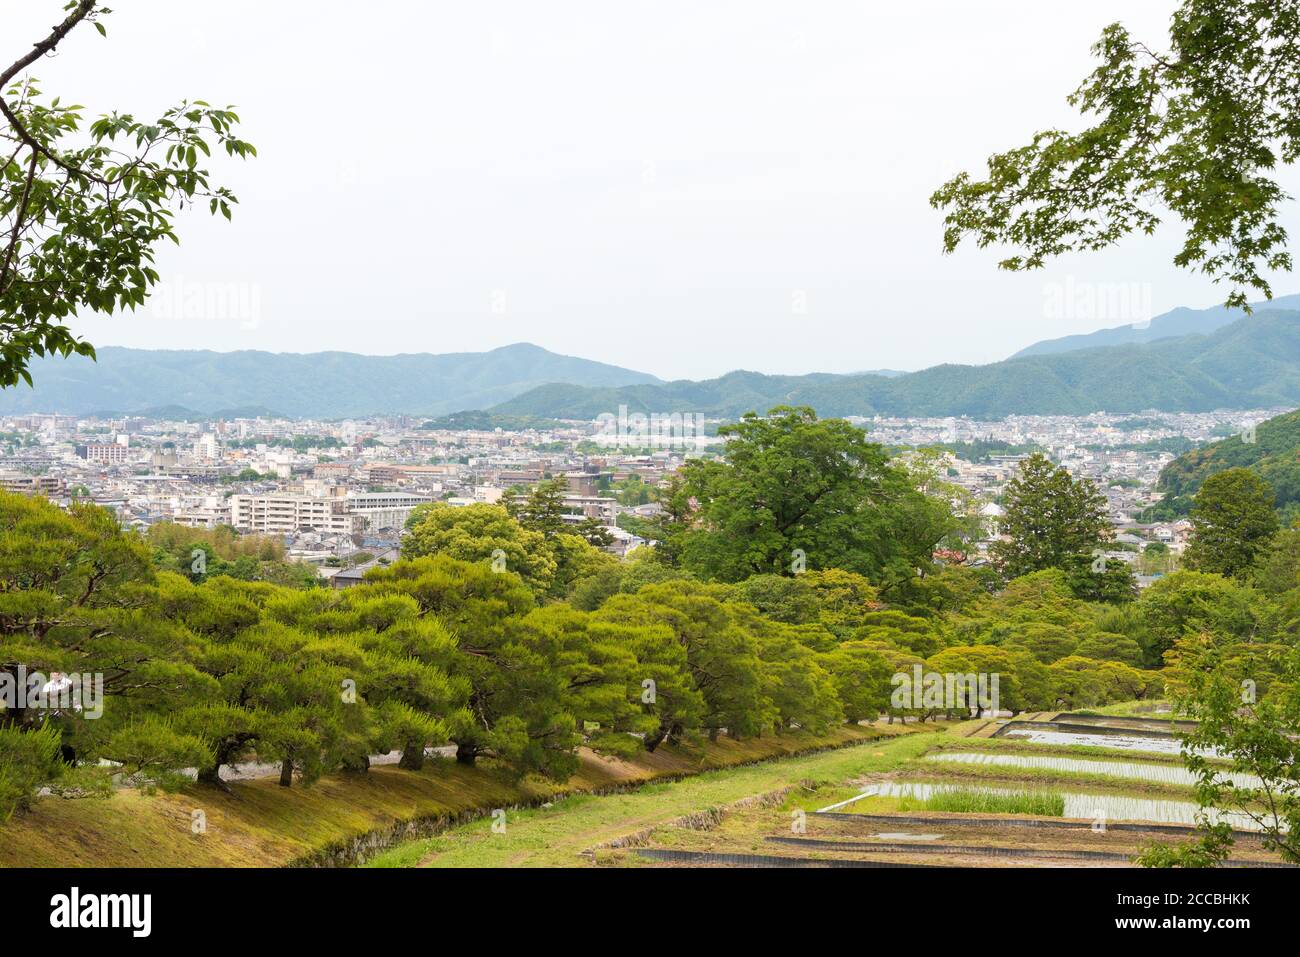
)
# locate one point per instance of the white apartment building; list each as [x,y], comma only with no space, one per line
[602,508]
[280,513]
[111,453]
[31,484]
[382,510]
[206,448]
[210,512]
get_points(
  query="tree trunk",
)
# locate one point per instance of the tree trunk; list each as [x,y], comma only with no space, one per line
[466,753]
[412,756]
[212,777]
[356,765]
[653,741]
[286,773]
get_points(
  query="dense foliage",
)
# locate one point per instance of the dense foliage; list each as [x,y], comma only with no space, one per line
[205,671]
[1233,521]
[1053,521]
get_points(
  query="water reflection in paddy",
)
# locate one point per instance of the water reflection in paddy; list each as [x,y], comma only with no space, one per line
[1161,773]
[1120,742]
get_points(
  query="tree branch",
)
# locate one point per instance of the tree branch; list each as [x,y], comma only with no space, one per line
[19,213]
[84,9]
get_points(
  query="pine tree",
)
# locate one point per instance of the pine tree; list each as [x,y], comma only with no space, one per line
[1053,521]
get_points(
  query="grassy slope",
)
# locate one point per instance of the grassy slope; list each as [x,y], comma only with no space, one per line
[556,836]
[262,824]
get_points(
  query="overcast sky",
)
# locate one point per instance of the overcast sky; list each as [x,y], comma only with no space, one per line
[683,188]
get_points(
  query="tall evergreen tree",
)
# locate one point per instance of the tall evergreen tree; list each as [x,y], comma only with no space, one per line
[1054,521]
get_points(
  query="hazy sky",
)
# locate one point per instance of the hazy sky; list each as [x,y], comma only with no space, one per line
[683,188]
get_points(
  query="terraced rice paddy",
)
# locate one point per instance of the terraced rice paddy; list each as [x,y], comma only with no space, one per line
[1130,770]
[930,811]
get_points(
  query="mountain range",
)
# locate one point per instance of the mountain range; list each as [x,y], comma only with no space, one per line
[1251,363]
[1170,325]
[325,385]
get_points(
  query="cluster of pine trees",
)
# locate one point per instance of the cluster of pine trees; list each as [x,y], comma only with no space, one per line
[201,672]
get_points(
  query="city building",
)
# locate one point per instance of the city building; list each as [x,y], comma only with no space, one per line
[279,514]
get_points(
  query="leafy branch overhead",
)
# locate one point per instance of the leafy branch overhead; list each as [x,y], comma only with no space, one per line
[83,207]
[1198,131]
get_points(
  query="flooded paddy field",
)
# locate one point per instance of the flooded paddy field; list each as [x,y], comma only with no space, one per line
[1052,734]
[1157,773]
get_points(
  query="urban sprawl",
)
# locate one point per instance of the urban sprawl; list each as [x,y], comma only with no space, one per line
[338,494]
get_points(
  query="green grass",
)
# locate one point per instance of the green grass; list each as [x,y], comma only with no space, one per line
[975,801]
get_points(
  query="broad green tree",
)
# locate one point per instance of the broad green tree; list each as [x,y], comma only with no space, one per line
[481,533]
[1277,567]
[1190,602]
[78,597]
[1233,522]
[796,492]
[722,657]
[861,675]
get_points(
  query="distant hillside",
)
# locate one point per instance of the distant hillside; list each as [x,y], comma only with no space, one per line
[489,421]
[180,413]
[1171,325]
[321,385]
[1253,363]
[1274,454]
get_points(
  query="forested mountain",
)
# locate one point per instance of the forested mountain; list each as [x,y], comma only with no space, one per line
[321,384]
[1170,325]
[1252,363]
[1273,450]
